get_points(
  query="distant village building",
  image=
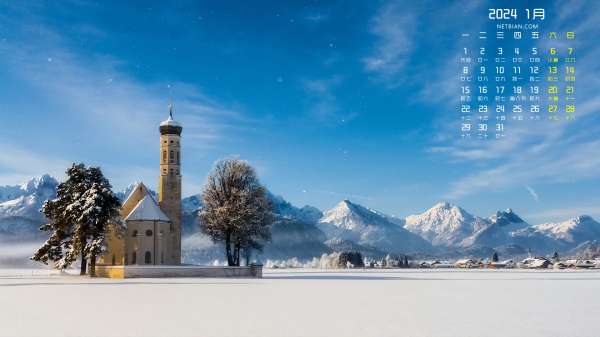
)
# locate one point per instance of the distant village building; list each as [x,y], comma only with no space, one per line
[150,230]
[442,264]
[535,263]
[467,263]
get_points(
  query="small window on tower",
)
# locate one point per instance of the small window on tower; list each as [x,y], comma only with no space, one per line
[172,157]
[177,157]
[164,157]
[164,171]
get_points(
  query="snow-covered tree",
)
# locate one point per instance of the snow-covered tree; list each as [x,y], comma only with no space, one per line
[236,209]
[78,217]
[350,259]
[100,206]
[555,257]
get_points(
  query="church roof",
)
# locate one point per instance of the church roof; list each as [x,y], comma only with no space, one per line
[147,209]
[170,122]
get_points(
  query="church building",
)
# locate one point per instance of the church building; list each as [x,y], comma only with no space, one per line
[149,232]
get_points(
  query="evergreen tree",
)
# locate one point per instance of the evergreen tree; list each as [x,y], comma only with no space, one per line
[406,265]
[100,206]
[78,216]
[555,257]
[495,257]
[236,209]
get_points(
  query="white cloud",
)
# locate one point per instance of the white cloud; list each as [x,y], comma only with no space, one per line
[393,27]
[323,104]
[533,193]
[106,108]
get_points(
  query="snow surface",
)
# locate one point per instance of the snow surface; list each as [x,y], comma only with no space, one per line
[305,302]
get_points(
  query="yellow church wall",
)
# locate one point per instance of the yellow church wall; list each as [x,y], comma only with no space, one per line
[115,246]
[111,271]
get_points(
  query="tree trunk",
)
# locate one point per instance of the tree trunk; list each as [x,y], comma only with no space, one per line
[247,252]
[237,254]
[83,269]
[93,266]
[228,250]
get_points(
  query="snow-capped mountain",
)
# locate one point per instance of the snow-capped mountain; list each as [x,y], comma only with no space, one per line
[558,235]
[445,225]
[579,229]
[20,217]
[348,221]
[498,231]
[306,232]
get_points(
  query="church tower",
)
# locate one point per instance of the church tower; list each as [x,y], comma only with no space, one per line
[169,183]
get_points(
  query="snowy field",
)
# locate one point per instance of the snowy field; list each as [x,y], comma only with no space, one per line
[305,303]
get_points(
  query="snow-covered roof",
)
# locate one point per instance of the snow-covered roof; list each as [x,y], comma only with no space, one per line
[170,122]
[147,209]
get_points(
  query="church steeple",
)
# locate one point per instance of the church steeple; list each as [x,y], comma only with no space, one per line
[169,125]
[169,182]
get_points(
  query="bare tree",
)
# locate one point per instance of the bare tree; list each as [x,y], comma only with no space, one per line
[236,209]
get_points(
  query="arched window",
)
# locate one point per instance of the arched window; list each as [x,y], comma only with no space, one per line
[148,233]
[177,157]
[134,234]
[171,157]
[148,258]
[134,258]
[164,157]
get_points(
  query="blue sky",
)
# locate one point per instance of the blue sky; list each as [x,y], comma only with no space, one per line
[328,100]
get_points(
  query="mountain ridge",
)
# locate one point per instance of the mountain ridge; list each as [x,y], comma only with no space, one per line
[306,231]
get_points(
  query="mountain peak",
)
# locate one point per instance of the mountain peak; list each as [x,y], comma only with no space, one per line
[583,218]
[507,217]
[443,205]
[444,224]
[35,183]
[365,226]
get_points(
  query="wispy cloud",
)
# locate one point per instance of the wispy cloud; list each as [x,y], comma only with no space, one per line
[323,103]
[392,27]
[106,107]
[533,193]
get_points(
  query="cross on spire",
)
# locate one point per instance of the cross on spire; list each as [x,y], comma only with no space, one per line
[171,108]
